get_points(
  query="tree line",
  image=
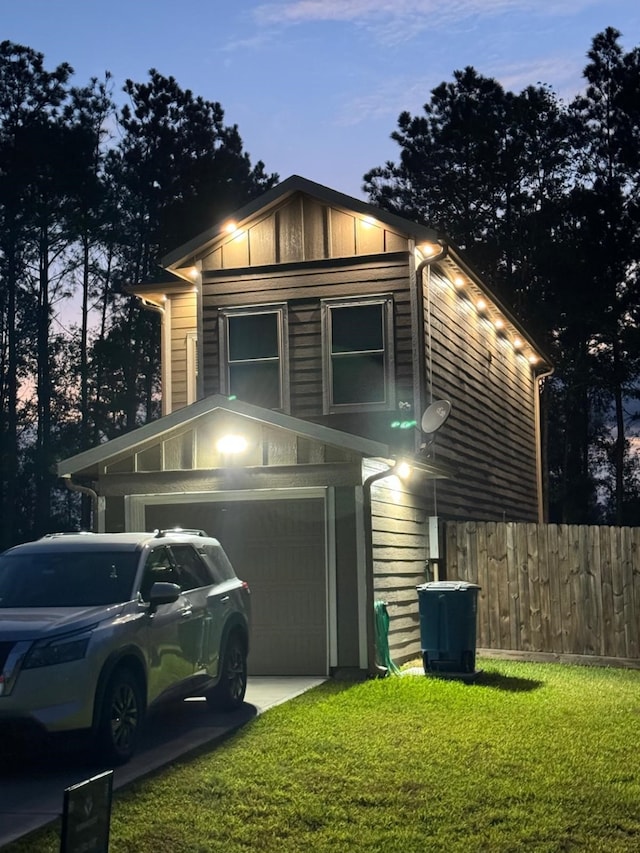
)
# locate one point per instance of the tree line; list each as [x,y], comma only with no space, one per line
[91,196]
[541,195]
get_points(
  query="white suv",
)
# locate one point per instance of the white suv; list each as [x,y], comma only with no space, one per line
[97,628]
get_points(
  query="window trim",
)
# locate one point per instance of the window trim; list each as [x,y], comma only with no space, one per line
[281,312]
[192,366]
[327,306]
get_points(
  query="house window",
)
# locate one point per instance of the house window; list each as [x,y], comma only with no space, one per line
[254,355]
[358,351]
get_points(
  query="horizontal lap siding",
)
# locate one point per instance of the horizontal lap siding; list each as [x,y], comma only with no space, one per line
[305,359]
[303,289]
[400,549]
[490,435]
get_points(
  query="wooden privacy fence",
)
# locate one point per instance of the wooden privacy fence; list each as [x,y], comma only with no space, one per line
[552,589]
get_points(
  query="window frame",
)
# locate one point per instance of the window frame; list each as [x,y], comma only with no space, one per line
[388,353]
[282,325]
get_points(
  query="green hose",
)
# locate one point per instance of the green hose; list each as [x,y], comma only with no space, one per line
[382,638]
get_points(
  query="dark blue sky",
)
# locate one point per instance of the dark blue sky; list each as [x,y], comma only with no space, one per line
[316,86]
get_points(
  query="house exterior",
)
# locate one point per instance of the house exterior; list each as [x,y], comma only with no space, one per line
[302,341]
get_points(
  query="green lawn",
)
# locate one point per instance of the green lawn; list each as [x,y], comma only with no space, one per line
[532,757]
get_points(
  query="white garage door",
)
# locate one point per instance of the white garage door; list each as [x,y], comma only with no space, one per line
[278,547]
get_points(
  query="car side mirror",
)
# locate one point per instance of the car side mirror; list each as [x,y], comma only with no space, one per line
[163,593]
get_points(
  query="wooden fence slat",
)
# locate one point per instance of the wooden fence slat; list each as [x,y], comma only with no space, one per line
[512,587]
[482,579]
[592,599]
[630,617]
[493,586]
[575,553]
[523,587]
[607,550]
[533,573]
[565,587]
[501,556]
[554,587]
[635,572]
[545,586]
[620,639]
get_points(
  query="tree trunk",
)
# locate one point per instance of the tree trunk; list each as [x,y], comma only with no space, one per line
[43,443]
[10,438]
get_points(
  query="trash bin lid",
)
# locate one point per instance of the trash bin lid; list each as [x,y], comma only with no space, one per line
[454,586]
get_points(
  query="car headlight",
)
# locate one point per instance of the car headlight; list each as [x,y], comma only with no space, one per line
[57,650]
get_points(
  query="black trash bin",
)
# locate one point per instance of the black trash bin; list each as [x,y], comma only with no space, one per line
[448,616]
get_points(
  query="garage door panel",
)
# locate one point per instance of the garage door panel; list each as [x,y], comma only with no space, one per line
[278,547]
[298,609]
[297,654]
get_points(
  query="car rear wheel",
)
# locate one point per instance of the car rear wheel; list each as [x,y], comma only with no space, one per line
[228,694]
[121,717]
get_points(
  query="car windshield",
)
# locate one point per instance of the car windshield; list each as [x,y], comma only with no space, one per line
[67,578]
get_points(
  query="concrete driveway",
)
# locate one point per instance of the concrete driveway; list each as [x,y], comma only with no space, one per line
[32,786]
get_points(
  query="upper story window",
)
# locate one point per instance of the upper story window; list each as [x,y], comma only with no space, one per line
[358,353]
[254,357]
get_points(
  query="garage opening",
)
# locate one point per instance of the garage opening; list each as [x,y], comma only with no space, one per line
[277,546]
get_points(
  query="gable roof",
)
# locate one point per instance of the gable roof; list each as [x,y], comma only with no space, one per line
[181,417]
[276,195]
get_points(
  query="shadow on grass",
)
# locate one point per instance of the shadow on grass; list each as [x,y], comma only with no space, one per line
[509,683]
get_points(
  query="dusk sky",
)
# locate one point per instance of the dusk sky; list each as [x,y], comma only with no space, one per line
[316,86]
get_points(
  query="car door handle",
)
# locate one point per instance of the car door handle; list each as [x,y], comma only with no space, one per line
[225,600]
[186,613]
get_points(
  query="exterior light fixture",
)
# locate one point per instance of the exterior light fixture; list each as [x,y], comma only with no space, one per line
[368,221]
[481,305]
[193,273]
[517,343]
[232,444]
[231,227]
[499,323]
[429,249]
[403,470]
[458,281]
[533,358]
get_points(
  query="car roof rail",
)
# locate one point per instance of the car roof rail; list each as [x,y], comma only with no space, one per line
[67,533]
[191,531]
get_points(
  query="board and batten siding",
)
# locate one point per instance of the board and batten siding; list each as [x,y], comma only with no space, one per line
[302,229]
[490,435]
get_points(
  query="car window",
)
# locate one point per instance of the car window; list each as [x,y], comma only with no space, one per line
[219,563]
[191,570]
[67,578]
[158,567]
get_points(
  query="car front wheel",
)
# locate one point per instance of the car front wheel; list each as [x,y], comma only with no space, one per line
[229,693]
[121,718]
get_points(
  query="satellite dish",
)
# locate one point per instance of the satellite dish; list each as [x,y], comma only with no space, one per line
[434,416]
